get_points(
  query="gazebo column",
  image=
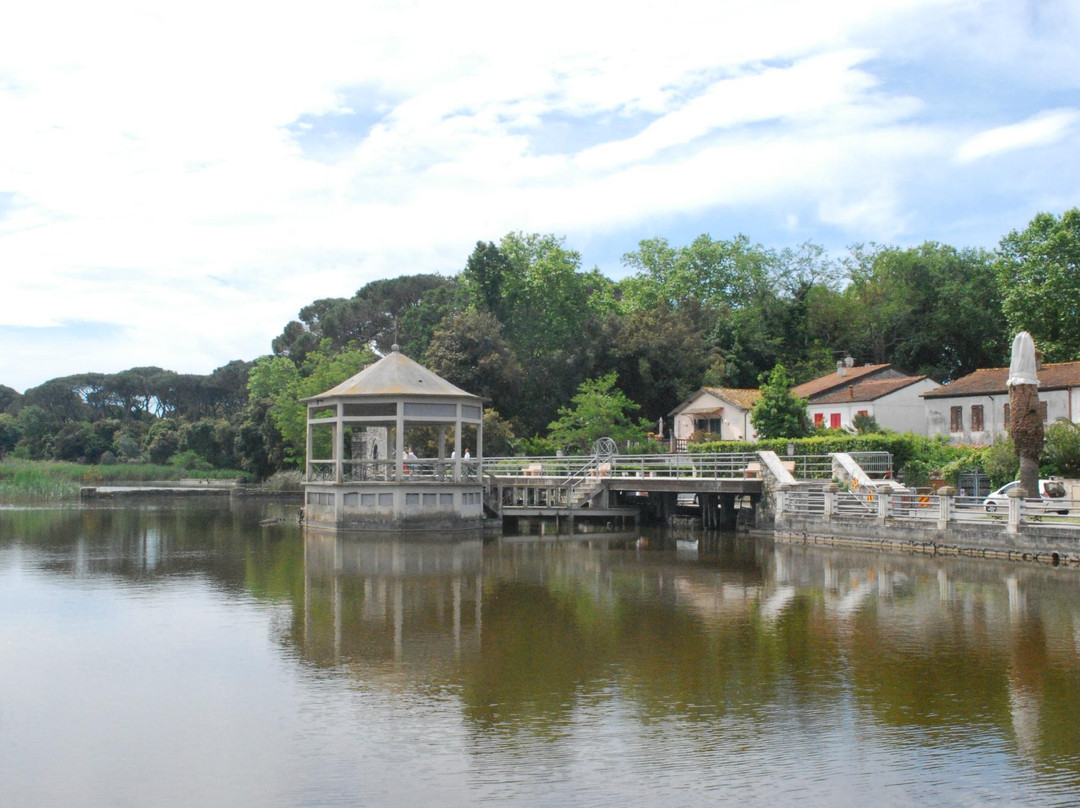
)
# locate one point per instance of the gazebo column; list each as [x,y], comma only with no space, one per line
[339,440]
[399,443]
[308,448]
[457,444]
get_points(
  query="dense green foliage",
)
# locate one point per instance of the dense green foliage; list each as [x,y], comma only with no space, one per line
[528,328]
[600,410]
[779,413]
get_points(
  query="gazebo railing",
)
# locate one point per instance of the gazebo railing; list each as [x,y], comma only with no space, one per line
[419,470]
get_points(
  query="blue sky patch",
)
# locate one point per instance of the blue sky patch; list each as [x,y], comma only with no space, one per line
[332,136]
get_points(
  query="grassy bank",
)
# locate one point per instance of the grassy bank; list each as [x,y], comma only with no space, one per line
[44,481]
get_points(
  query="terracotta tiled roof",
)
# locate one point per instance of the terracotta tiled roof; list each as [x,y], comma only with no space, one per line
[866,390]
[823,384]
[740,397]
[991,381]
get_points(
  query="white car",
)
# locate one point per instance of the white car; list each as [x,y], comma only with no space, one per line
[1051,499]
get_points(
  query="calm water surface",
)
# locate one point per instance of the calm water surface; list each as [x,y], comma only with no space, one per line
[187,655]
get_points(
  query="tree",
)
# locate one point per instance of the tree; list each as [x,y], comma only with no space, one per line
[368,317]
[1061,452]
[1039,275]
[600,410]
[866,424]
[469,351]
[9,433]
[930,309]
[778,413]
[281,384]
[660,354]
[485,274]
[717,273]
[9,399]
[498,435]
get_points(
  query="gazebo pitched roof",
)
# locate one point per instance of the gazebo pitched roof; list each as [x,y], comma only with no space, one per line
[394,375]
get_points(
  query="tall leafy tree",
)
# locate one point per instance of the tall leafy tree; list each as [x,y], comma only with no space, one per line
[1039,274]
[930,309]
[470,352]
[281,384]
[778,413]
[661,354]
[599,410]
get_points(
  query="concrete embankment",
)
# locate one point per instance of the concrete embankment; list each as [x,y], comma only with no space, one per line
[1043,544]
[186,488]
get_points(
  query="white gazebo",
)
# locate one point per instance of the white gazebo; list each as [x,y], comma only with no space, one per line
[378,455]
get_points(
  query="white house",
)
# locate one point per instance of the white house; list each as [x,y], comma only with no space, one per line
[895,403]
[974,409]
[882,391]
[721,411]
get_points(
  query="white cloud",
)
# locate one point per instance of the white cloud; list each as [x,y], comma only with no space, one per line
[158,182]
[1043,129]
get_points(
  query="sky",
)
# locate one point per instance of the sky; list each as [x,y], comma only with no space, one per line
[178,180]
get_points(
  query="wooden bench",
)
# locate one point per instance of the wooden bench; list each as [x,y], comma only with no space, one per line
[533,470]
[752,471]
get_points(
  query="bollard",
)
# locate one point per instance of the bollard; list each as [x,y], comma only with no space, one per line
[884,502]
[1016,509]
[830,500]
[945,502]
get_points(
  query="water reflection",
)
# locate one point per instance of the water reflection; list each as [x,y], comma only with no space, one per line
[377,600]
[559,670]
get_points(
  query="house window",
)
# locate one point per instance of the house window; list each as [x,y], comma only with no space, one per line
[956,419]
[712,425]
[976,417]
[834,420]
[863,412]
[819,419]
[1043,410]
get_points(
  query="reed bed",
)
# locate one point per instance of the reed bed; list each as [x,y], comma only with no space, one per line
[47,481]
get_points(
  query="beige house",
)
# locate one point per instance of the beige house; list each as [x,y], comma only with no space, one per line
[974,409]
[720,411]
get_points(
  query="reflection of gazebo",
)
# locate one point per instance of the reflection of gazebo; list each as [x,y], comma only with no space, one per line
[359,475]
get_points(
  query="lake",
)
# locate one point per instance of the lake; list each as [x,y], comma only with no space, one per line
[186,654]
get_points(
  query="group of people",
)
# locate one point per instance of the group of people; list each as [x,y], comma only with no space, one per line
[411,459]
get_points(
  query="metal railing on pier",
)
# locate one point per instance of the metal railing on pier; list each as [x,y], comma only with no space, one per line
[863,504]
[674,466]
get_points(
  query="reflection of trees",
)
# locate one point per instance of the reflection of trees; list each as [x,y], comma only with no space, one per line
[527,634]
[145,542]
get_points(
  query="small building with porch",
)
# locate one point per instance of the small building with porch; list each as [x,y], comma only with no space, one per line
[392,448]
[720,411]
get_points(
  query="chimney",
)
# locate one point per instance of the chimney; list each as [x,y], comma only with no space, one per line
[851,392]
[841,369]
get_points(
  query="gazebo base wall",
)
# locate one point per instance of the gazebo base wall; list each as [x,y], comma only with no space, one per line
[392,506]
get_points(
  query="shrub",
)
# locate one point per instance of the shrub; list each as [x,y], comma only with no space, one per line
[190,461]
[1061,452]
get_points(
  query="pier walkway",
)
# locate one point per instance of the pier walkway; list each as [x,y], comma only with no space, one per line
[620,487]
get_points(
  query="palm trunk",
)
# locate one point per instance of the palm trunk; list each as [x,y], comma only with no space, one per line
[1026,425]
